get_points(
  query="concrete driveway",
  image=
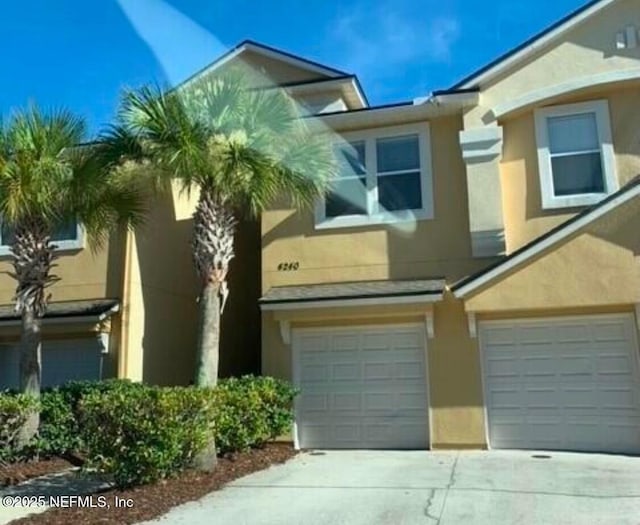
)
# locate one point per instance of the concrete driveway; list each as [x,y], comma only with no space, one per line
[446,488]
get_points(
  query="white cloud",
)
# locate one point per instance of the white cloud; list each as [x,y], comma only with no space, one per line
[368,41]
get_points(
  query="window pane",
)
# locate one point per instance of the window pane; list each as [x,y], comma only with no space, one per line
[400,192]
[350,159]
[66,232]
[349,197]
[573,133]
[398,153]
[577,174]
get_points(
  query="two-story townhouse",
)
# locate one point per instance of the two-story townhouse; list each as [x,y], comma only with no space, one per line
[473,281]
[129,309]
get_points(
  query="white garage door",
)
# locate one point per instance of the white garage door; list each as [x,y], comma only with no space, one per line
[361,388]
[62,361]
[563,383]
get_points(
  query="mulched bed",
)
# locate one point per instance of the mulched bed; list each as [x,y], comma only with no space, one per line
[152,501]
[14,473]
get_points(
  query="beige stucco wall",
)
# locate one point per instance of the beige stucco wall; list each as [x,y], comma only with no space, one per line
[83,274]
[440,247]
[455,393]
[525,219]
[597,267]
[588,49]
[160,312]
[431,248]
[160,309]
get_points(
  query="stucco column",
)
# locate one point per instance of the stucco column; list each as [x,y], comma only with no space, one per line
[482,152]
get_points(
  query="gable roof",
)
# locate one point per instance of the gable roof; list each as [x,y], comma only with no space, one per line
[269,52]
[532,45]
[470,284]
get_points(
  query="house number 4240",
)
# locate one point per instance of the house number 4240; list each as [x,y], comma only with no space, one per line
[288,266]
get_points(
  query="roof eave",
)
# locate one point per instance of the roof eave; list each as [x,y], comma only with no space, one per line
[532,45]
[474,283]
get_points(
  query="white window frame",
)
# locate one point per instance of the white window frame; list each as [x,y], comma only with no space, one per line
[374,217]
[600,108]
[62,246]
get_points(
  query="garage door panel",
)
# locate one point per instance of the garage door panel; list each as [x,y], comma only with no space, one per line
[374,394]
[562,384]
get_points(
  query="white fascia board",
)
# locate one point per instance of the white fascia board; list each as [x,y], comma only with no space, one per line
[84,319]
[76,319]
[386,115]
[535,46]
[459,99]
[547,243]
[346,303]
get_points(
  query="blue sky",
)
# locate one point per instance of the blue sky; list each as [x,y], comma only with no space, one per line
[80,54]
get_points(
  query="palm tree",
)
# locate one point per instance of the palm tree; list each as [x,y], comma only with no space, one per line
[240,148]
[47,180]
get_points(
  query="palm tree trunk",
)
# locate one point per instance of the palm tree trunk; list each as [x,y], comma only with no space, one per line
[214,229]
[208,336]
[213,232]
[33,256]
[30,371]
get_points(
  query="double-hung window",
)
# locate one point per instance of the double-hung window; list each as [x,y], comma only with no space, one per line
[68,236]
[575,154]
[384,176]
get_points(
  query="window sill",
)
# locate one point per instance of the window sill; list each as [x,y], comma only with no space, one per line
[62,246]
[573,201]
[373,220]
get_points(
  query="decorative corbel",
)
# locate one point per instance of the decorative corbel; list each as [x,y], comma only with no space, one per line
[285,332]
[428,324]
[473,324]
[103,341]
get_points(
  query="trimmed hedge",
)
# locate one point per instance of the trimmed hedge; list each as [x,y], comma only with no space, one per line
[251,411]
[59,431]
[145,434]
[14,411]
[139,433]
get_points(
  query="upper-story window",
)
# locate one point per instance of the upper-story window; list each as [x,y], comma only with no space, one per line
[575,154]
[384,176]
[68,236]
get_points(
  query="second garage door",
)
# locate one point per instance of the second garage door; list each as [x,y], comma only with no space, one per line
[361,388]
[563,383]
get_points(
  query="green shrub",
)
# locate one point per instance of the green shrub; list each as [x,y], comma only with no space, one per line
[14,410]
[143,434]
[59,431]
[251,411]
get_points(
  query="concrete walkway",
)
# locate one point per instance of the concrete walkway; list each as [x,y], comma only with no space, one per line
[67,483]
[397,488]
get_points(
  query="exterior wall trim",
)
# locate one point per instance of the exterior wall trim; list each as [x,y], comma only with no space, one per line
[346,303]
[564,88]
[76,319]
[470,286]
[481,144]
